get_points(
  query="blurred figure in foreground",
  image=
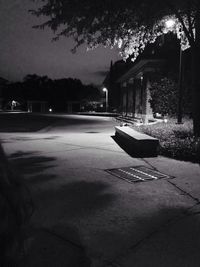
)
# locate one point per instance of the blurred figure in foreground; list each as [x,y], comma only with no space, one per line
[15,211]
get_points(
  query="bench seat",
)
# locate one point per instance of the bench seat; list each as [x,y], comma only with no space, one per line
[137,143]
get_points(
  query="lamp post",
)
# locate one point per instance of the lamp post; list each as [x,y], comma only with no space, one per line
[170,24]
[180,90]
[106,92]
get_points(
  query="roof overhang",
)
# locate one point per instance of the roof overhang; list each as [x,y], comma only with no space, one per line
[143,66]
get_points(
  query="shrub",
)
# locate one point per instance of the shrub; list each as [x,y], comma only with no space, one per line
[176,141]
[164,97]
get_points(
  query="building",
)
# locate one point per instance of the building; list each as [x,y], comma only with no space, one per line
[37,106]
[116,70]
[134,87]
[129,83]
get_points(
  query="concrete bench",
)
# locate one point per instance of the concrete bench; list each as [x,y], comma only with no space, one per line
[137,143]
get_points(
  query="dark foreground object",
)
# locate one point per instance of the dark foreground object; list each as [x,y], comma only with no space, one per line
[135,143]
[15,211]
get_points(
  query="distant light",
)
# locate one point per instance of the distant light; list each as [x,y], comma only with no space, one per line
[50,110]
[170,23]
[105,89]
[165,120]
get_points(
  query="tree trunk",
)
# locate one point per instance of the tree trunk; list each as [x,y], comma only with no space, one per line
[196,77]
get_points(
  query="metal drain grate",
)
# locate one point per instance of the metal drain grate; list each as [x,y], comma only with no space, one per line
[138,174]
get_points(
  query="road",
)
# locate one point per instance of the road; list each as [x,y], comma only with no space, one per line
[81,209]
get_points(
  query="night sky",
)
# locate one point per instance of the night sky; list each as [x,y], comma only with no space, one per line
[24,50]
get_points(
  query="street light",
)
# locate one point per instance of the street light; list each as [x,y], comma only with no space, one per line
[106,91]
[170,25]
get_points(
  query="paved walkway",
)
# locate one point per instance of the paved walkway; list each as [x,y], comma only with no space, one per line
[85,216]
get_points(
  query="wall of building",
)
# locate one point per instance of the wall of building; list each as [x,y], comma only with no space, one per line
[135,99]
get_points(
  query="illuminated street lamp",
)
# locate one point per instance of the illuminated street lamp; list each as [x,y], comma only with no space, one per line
[106,91]
[170,23]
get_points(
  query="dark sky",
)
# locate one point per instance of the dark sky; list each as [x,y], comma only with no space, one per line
[24,50]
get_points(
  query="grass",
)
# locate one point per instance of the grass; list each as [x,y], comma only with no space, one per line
[176,140]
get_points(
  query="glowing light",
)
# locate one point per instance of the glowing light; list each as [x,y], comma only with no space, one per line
[106,91]
[170,23]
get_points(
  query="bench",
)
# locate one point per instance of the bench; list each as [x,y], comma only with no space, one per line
[137,143]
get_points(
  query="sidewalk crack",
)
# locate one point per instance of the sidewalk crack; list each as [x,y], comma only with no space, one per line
[161,228]
[184,192]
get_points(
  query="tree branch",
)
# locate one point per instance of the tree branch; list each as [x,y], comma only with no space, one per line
[190,22]
[178,15]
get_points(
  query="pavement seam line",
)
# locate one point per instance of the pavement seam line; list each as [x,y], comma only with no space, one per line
[62,238]
[167,223]
[173,184]
[184,192]
[160,229]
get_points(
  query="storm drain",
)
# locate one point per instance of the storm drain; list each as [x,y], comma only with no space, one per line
[138,174]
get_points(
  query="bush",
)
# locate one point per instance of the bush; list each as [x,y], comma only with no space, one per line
[164,97]
[176,141]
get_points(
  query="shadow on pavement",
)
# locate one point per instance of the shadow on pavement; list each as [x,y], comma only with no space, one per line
[46,248]
[26,138]
[176,245]
[77,198]
[74,199]
[30,162]
[59,245]
[32,122]
[165,238]
[55,208]
[25,122]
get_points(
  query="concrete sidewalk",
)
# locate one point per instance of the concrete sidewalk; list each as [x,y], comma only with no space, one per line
[85,216]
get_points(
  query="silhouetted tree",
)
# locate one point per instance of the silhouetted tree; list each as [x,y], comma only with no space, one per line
[36,87]
[56,92]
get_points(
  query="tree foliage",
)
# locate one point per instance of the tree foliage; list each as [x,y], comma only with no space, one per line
[130,24]
[55,92]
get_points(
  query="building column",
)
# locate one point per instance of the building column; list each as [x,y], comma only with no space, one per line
[146,108]
[124,98]
[30,107]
